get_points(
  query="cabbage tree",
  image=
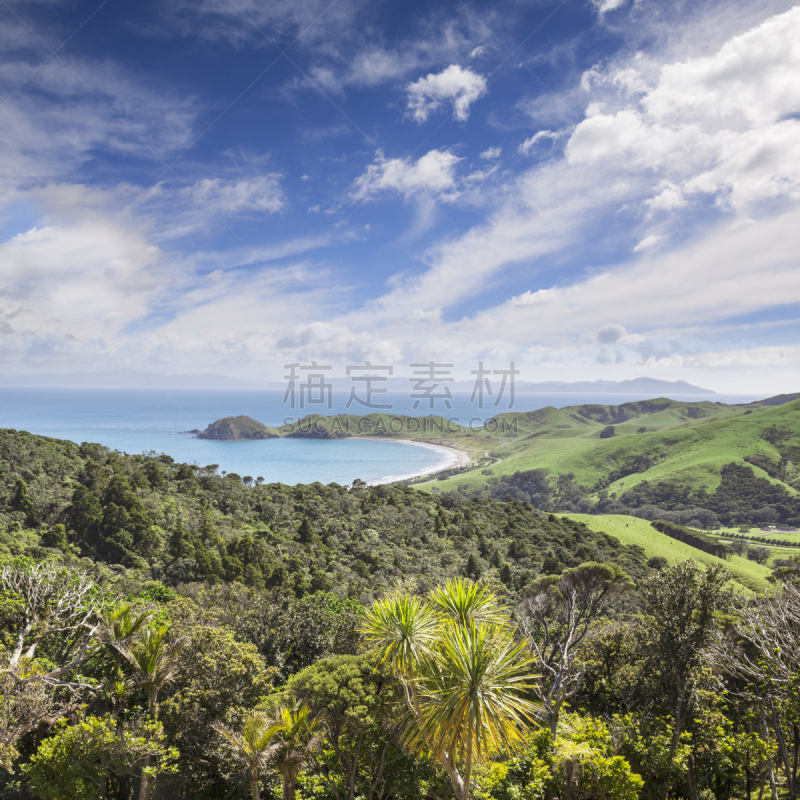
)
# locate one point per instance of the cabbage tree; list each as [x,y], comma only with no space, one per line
[464,671]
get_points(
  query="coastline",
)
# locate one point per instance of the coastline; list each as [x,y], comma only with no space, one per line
[455,458]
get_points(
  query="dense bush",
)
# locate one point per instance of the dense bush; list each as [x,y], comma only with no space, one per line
[182,524]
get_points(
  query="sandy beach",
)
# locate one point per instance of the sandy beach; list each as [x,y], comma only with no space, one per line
[455,458]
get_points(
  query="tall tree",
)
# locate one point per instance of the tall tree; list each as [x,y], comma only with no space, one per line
[78,761]
[680,602]
[464,673]
[55,607]
[761,655]
[356,703]
[286,739]
[557,618]
[155,661]
[22,502]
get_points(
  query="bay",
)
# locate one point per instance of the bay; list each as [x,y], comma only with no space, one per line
[150,420]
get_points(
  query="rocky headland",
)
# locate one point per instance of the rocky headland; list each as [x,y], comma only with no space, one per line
[238,429]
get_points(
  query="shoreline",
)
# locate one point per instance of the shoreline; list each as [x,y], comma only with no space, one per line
[455,458]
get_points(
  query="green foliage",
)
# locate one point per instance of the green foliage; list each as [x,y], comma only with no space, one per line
[647,745]
[22,502]
[219,680]
[346,690]
[244,607]
[526,775]
[706,544]
[180,525]
[356,703]
[56,537]
[586,762]
[464,673]
[79,761]
[742,498]
[283,740]
[242,427]
[290,634]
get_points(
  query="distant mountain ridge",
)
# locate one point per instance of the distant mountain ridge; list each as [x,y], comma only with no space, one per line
[122,378]
[636,386]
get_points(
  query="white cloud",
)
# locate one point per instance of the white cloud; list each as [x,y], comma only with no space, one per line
[654,140]
[375,64]
[773,356]
[604,6]
[479,51]
[527,146]
[433,173]
[723,125]
[263,193]
[668,199]
[74,286]
[648,243]
[455,85]
[252,22]
[698,273]
[491,153]
[70,111]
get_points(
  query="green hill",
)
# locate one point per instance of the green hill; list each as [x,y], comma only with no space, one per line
[660,453]
[631,531]
[681,440]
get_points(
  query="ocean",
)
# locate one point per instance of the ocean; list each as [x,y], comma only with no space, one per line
[150,420]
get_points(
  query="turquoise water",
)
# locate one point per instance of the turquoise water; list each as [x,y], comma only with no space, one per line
[143,420]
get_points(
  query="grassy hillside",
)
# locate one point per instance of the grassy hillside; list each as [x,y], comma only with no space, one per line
[631,531]
[599,453]
[687,442]
[708,463]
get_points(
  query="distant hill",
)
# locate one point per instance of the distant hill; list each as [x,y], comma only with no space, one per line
[237,429]
[652,386]
[778,400]
[127,378]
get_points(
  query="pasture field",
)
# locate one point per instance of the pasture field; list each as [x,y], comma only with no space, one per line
[745,574]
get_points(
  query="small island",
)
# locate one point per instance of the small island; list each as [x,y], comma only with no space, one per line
[233,429]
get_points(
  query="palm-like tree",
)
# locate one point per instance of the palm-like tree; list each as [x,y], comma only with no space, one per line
[284,739]
[155,661]
[252,746]
[120,624]
[297,735]
[118,627]
[464,672]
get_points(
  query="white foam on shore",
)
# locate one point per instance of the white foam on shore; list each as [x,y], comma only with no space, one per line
[452,457]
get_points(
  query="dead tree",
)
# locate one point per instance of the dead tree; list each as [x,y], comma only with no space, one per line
[762,655]
[557,618]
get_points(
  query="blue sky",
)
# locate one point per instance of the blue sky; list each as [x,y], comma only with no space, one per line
[597,189]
